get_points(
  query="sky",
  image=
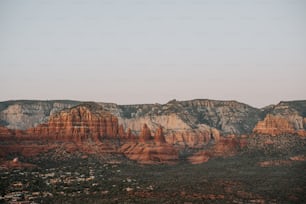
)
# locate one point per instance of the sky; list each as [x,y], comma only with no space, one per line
[153,51]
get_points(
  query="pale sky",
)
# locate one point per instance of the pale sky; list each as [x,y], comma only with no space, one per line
[152,51]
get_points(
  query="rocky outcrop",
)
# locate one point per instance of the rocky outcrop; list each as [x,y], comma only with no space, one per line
[129,135]
[194,138]
[145,134]
[149,151]
[6,132]
[27,114]
[226,116]
[192,123]
[86,121]
[274,125]
[159,137]
[226,147]
[229,117]
[278,125]
[121,132]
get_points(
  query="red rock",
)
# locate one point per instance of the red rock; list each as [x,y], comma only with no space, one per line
[129,134]
[5,131]
[215,134]
[149,153]
[193,138]
[301,133]
[298,158]
[121,132]
[274,125]
[275,163]
[224,148]
[78,124]
[199,158]
[145,134]
[159,137]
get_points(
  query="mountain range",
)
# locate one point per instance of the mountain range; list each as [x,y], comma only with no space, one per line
[229,117]
[150,133]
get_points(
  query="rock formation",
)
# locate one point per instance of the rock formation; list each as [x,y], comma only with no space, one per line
[23,115]
[121,132]
[129,135]
[274,125]
[86,121]
[145,134]
[226,116]
[224,148]
[194,138]
[159,137]
[5,132]
[177,124]
[148,152]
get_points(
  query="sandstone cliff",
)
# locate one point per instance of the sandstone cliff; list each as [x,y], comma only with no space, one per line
[6,132]
[226,147]
[190,123]
[283,118]
[196,138]
[145,134]
[274,125]
[83,122]
[159,137]
[148,150]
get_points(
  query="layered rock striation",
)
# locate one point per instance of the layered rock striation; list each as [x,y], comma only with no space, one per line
[228,146]
[149,150]
[275,125]
[5,132]
[83,122]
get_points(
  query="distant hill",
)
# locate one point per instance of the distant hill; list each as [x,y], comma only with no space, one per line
[229,117]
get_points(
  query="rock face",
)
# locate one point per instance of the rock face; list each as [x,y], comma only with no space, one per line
[224,148]
[194,138]
[226,116]
[27,114]
[149,151]
[159,137]
[274,125]
[121,132]
[5,132]
[191,123]
[145,134]
[86,121]
[283,118]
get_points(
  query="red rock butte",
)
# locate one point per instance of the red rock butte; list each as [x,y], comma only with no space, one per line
[274,125]
[83,122]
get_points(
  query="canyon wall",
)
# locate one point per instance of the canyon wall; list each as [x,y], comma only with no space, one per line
[192,123]
[283,118]
[83,122]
